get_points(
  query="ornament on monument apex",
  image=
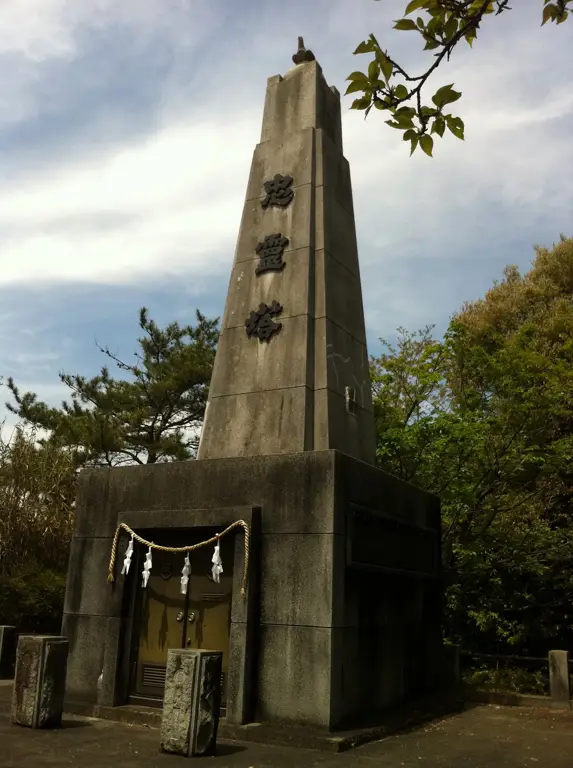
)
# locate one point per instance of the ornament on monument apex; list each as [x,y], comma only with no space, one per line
[260,322]
[302,55]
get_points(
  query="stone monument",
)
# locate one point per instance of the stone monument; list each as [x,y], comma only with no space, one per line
[291,372]
[39,681]
[191,704]
[342,611]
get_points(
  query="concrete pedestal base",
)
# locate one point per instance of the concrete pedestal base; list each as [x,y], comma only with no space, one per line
[342,615]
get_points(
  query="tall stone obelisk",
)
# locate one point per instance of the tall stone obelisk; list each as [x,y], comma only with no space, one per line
[340,612]
[291,372]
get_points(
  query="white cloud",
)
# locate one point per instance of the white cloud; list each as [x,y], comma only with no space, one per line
[48,29]
[38,29]
[165,203]
[37,33]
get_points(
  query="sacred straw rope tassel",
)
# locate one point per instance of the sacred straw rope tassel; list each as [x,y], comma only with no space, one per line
[185,573]
[217,568]
[128,555]
[177,550]
[147,566]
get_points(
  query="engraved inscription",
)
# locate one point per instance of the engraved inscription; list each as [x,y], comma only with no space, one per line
[271,252]
[260,322]
[278,191]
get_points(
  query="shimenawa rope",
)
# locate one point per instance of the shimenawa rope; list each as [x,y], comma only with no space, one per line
[178,550]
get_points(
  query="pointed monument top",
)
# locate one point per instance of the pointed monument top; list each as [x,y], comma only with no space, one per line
[291,372]
[302,55]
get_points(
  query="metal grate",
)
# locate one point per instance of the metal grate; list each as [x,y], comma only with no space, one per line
[213,597]
[154,677]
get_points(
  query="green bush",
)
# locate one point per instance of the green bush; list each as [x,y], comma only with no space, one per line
[32,600]
[508,679]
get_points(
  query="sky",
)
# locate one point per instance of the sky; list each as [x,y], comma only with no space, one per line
[126,136]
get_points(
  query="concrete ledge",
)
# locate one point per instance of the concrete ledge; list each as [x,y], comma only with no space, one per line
[128,714]
[291,736]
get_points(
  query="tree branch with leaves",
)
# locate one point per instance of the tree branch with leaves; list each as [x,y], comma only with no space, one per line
[442,24]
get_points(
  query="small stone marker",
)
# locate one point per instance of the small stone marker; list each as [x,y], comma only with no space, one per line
[40,681]
[559,684]
[191,702]
[7,652]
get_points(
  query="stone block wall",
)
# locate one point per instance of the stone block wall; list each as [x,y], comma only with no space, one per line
[317,623]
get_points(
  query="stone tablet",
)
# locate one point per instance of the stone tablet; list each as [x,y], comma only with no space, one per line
[40,681]
[191,702]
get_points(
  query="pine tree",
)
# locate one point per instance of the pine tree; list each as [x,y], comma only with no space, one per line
[152,412]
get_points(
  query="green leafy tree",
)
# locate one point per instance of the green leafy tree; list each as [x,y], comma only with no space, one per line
[152,413]
[442,25]
[37,492]
[484,419]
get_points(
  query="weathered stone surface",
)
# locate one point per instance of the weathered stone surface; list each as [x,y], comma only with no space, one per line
[192,702]
[351,434]
[273,421]
[295,155]
[295,222]
[299,100]
[333,171]
[178,702]
[248,365]
[559,681]
[100,518]
[300,494]
[87,637]
[110,681]
[39,682]
[320,643]
[205,721]
[53,683]
[7,651]
[241,679]
[295,675]
[335,230]
[88,592]
[292,284]
[26,681]
[341,361]
[300,584]
[296,491]
[322,342]
[373,488]
[339,296]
